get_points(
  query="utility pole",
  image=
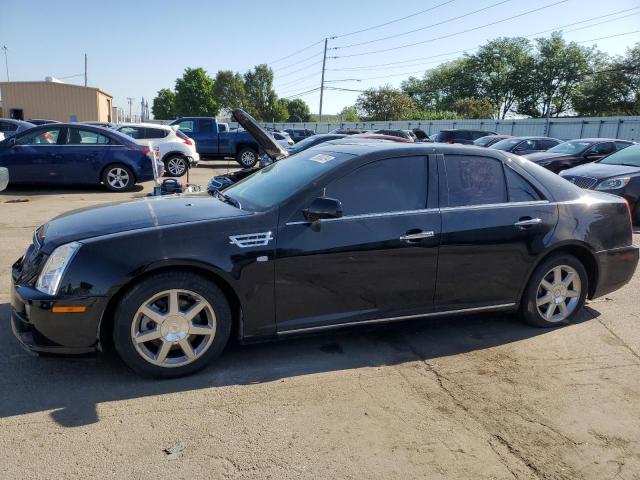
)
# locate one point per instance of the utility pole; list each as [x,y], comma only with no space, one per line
[324,62]
[6,62]
[85,69]
[130,99]
[142,110]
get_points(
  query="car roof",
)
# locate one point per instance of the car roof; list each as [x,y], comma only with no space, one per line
[145,125]
[465,130]
[380,149]
[527,137]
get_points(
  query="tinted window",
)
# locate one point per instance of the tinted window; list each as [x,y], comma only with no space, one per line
[484,141]
[621,145]
[133,132]
[206,126]
[8,127]
[476,135]
[77,136]
[40,137]
[391,185]
[186,126]
[628,156]
[520,190]
[475,181]
[155,133]
[574,147]
[277,136]
[603,148]
[546,144]
[506,145]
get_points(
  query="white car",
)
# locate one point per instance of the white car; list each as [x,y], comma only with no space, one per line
[283,138]
[177,151]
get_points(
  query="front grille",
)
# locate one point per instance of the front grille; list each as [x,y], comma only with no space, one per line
[582,182]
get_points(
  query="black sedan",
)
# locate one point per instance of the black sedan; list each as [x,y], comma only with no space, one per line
[619,174]
[525,145]
[576,152]
[363,233]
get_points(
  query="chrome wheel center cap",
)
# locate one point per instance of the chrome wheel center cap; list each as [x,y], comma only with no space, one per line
[175,328]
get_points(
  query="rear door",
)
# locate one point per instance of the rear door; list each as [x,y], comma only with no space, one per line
[83,153]
[35,157]
[377,261]
[494,222]
[596,152]
[206,136]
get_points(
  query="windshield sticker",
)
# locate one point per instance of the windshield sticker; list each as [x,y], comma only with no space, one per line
[322,158]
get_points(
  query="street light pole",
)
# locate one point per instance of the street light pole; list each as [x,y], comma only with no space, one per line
[6,62]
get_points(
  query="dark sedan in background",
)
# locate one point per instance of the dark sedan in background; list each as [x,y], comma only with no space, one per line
[460,135]
[526,145]
[42,121]
[619,174]
[299,134]
[489,140]
[9,127]
[335,236]
[576,152]
[75,154]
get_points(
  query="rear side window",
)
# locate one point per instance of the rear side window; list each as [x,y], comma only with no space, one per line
[206,126]
[133,132]
[621,145]
[474,181]
[77,136]
[391,185]
[520,190]
[8,127]
[603,148]
[546,144]
[155,133]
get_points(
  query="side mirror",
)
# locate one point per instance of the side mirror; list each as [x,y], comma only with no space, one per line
[11,141]
[4,178]
[322,208]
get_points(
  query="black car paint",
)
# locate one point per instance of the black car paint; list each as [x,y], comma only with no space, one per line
[556,162]
[328,273]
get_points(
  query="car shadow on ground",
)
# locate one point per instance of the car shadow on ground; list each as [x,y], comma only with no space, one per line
[71,388]
[38,190]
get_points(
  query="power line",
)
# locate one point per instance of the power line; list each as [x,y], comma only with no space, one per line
[454,34]
[610,36]
[302,94]
[393,66]
[422,28]
[296,52]
[392,21]
[588,20]
[298,62]
[298,79]
[300,69]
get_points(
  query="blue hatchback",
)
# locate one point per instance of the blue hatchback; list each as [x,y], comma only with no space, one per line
[73,154]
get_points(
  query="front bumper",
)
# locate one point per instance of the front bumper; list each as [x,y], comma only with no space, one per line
[615,269]
[40,330]
[194,159]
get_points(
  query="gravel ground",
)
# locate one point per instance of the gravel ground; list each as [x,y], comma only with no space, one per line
[470,397]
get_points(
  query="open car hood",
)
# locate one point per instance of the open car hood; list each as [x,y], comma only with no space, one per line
[260,135]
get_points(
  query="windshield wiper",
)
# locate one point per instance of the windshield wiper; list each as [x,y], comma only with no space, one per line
[229,200]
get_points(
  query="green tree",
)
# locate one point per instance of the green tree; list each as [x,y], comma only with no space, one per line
[261,100]
[385,103]
[500,70]
[612,88]
[194,94]
[298,111]
[475,108]
[349,114]
[558,69]
[228,89]
[163,107]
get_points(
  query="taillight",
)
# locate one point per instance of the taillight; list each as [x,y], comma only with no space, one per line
[630,215]
[187,140]
[146,151]
[450,142]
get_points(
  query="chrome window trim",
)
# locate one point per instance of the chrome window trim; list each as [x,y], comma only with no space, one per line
[395,319]
[424,210]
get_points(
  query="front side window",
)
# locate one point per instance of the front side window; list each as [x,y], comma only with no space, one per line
[391,185]
[186,126]
[206,126]
[78,136]
[40,137]
[474,181]
[8,127]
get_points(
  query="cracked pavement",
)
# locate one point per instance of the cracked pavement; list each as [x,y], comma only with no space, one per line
[482,397]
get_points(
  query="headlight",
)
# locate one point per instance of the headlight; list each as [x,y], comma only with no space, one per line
[613,183]
[49,279]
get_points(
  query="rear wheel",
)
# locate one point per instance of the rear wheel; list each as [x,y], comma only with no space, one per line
[171,324]
[176,166]
[636,214]
[556,292]
[118,178]
[247,157]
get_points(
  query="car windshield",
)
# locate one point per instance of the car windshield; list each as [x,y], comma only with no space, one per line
[507,144]
[277,182]
[570,148]
[303,144]
[629,156]
[483,141]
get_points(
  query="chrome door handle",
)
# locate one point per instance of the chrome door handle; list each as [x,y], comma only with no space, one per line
[528,222]
[411,237]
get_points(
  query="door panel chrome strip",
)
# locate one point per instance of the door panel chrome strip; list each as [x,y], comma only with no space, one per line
[395,319]
[369,215]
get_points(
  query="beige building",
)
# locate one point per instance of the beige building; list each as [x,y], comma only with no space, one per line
[55,101]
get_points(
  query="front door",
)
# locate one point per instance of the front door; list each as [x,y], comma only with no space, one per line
[377,261]
[33,157]
[494,222]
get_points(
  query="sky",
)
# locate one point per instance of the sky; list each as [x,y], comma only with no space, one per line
[137,47]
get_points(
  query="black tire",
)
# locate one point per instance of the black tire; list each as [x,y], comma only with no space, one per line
[125,315]
[247,157]
[529,304]
[175,166]
[636,214]
[112,173]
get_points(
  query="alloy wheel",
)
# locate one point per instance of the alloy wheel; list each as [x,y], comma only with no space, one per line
[248,158]
[118,178]
[176,166]
[173,328]
[558,293]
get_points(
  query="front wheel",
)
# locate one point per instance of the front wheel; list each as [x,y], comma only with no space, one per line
[556,292]
[247,157]
[176,166]
[118,178]
[171,324]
